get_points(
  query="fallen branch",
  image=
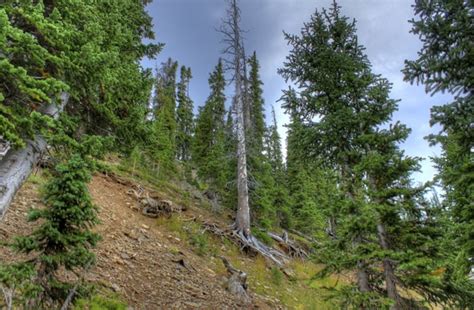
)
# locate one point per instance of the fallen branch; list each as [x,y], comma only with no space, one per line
[16,165]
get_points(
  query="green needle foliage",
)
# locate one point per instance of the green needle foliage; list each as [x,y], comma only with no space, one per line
[90,49]
[209,143]
[164,124]
[63,240]
[445,64]
[380,229]
[184,116]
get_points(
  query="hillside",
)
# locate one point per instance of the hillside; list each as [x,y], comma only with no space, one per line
[246,155]
[167,263]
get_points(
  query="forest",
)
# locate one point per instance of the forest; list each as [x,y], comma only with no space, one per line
[78,107]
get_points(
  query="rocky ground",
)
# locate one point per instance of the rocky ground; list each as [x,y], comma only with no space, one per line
[137,258]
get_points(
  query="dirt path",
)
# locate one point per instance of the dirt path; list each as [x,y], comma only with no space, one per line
[136,257]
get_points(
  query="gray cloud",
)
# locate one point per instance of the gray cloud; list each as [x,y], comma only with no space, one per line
[187,27]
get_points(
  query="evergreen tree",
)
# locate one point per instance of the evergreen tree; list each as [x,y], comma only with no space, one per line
[164,147]
[184,116]
[64,238]
[230,151]
[208,150]
[273,147]
[445,64]
[257,128]
[90,49]
[333,88]
[261,182]
[308,199]
[343,105]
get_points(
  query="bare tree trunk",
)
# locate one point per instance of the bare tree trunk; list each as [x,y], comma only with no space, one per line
[233,38]
[17,165]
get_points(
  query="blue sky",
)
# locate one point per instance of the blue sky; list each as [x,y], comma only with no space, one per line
[187,27]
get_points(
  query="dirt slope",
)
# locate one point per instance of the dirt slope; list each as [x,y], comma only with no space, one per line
[137,258]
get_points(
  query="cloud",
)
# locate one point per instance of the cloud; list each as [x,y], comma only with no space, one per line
[187,27]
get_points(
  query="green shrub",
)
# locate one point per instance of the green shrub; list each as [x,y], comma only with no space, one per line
[200,242]
[99,302]
[277,276]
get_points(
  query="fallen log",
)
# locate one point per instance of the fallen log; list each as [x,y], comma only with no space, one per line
[289,246]
[17,165]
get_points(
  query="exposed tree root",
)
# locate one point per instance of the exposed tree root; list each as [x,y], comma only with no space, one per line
[252,243]
[248,243]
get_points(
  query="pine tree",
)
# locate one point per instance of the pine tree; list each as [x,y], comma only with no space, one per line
[184,116]
[208,151]
[64,238]
[445,64]
[273,147]
[261,181]
[343,105]
[164,147]
[231,151]
[333,88]
[90,49]
[256,130]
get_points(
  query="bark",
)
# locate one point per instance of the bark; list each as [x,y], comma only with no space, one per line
[362,275]
[389,273]
[236,49]
[17,165]
[362,278]
[388,270]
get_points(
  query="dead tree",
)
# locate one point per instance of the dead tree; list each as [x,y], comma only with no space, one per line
[234,48]
[16,165]
[235,62]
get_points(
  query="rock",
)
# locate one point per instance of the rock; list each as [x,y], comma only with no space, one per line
[193,305]
[115,287]
[145,226]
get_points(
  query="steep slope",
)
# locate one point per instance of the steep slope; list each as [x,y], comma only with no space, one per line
[141,261]
[170,262]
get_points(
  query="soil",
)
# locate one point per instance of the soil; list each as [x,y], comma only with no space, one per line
[137,258]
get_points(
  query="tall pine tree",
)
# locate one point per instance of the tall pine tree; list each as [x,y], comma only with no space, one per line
[445,64]
[164,124]
[184,116]
[208,148]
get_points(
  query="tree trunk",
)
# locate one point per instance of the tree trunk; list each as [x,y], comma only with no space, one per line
[17,165]
[390,278]
[362,278]
[243,209]
[362,275]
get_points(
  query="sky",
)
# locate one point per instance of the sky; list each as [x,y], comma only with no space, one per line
[188,29]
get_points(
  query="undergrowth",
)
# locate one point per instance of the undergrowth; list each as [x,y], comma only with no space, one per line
[300,292]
